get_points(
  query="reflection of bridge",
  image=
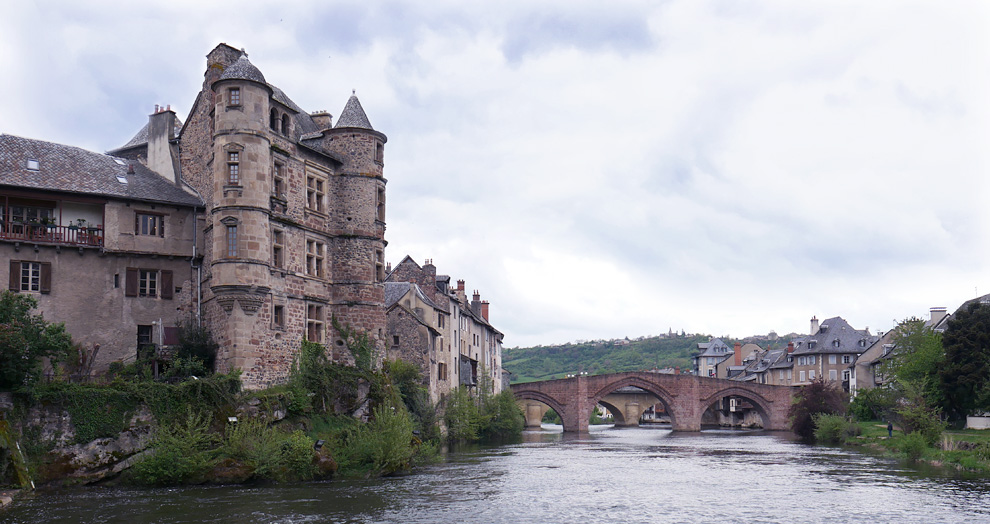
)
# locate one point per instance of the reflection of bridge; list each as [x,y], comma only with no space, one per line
[685,397]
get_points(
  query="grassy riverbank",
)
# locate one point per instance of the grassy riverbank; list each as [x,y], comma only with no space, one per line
[967,450]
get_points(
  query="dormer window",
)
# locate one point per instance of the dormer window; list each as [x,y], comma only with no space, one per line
[33,164]
[285,124]
[273,120]
[234,96]
[835,343]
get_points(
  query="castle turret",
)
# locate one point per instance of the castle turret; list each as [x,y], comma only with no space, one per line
[358,221]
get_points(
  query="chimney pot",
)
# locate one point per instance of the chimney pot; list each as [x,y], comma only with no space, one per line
[790,347]
[130,169]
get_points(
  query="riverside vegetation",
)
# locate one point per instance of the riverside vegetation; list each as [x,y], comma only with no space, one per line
[327,420]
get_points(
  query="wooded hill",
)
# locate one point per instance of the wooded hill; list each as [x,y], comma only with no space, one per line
[550,362]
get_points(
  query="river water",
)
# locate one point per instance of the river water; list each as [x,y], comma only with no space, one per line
[627,475]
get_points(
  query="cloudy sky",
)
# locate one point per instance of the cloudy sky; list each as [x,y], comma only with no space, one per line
[599,169]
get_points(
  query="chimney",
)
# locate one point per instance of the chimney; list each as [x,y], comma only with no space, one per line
[322,119]
[738,351]
[429,268]
[460,286]
[790,347]
[161,130]
[814,325]
[677,370]
[388,267]
[476,303]
[484,309]
[938,313]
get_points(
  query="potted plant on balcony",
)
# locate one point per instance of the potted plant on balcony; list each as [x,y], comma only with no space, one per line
[49,222]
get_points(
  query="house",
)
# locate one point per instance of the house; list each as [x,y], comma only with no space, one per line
[710,354]
[413,334]
[262,221]
[829,351]
[467,348]
[105,244]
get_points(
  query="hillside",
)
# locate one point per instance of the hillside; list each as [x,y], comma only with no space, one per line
[549,362]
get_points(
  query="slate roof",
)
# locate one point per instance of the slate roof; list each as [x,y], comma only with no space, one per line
[353,115]
[243,69]
[141,138]
[835,329]
[69,169]
[396,290]
[713,348]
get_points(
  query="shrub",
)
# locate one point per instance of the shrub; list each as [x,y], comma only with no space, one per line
[180,454]
[830,429]
[384,445]
[500,417]
[461,415]
[916,417]
[913,445]
[197,349]
[270,453]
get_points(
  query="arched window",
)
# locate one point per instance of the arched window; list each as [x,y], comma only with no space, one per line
[273,120]
[285,124]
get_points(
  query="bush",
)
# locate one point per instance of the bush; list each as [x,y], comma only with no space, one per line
[269,453]
[501,417]
[197,350]
[832,429]
[384,445]
[461,415]
[180,454]
[913,445]
[916,417]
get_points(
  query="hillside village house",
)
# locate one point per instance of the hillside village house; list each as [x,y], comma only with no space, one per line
[710,354]
[262,220]
[436,327]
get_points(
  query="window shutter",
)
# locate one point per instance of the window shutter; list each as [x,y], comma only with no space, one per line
[161,227]
[167,289]
[15,276]
[137,223]
[131,282]
[46,277]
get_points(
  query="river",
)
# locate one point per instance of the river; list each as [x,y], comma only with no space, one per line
[627,475]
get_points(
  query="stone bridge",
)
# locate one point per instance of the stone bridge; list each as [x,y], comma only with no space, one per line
[685,397]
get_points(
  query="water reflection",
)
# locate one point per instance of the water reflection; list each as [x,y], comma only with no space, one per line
[624,475]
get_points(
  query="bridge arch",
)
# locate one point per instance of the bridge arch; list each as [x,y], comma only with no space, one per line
[763,406]
[539,396]
[665,396]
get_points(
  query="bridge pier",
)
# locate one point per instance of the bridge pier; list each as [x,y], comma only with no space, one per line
[533,412]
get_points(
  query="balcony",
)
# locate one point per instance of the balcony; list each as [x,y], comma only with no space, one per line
[52,234]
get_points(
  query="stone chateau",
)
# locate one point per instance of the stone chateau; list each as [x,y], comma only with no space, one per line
[262,221]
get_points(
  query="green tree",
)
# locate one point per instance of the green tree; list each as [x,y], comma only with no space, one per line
[917,358]
[25,339]
[196,344]
[965,375]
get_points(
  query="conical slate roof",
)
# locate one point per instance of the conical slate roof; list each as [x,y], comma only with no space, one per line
[243,69]
[353,115]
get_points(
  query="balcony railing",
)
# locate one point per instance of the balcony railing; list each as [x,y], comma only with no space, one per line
[62,235]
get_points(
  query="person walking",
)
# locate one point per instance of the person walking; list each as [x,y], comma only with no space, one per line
[890,429]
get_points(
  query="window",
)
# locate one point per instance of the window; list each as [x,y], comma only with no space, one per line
[381,204]
[314,323]
[395,340]
[278,249]
[145,336]
[440,321]
[801,377]
[147,224]
[801,361]
[285,124]
[835,343]
[231,238]
[278,316]
[273,120]
[234,96]
[780,374]
[790,374]
[833,375]
[845,376]
[315,191]
[33,164]
[30,276]
[278,180]
[442,371]
[141,282]
[847,359]
[233,168]
[379,152]
[811,375]
[811,360]
[314,258]
[147,283]
[379,266]
[832,359]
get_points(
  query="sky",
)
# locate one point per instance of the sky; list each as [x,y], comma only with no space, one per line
[599,170]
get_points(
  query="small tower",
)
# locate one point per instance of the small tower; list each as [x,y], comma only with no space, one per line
[358,220]
[237,247]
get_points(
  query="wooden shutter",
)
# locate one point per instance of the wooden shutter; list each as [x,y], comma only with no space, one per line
[167,289]
[46,277]
[161,226]
[137,223]
[15,276]
[131,282]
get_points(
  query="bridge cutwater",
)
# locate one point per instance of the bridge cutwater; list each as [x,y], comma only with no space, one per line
[689,400]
